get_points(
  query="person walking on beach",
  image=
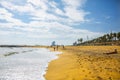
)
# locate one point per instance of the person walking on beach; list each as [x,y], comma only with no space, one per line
[57,47]
[53,45]
[63,47]
[54,48]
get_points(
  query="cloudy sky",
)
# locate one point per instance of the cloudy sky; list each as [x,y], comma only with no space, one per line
[43,21]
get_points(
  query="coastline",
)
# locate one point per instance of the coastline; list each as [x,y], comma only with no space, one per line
[55,58]
[34,62]
[85,63]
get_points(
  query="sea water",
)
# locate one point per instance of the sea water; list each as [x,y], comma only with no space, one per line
[28,64]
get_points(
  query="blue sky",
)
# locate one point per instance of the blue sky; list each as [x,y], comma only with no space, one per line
[39,22]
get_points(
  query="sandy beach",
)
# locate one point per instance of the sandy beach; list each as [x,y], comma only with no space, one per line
[85,63]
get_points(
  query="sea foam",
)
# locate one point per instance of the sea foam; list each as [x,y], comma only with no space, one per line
[28,64]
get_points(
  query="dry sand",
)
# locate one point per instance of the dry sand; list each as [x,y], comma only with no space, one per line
[85,63]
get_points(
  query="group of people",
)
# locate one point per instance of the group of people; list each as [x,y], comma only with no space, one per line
[57,46]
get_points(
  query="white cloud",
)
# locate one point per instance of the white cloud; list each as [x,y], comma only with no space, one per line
[39,8]
[72,11]
[4,33]
[48,21]
[75,15]
[39,4]
[74,3]
[5,15]
[26,8]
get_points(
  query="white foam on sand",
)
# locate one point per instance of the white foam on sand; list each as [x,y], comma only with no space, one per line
[26,66]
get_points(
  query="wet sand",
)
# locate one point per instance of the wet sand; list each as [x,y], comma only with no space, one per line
[85,63]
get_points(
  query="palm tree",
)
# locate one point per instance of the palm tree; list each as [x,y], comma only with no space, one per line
[75,43]
[118,36]
[104,38]
[111,36]
[100,39]
[115,36]
[107,35]
[81,39]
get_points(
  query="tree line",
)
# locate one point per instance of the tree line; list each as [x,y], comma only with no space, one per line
[106,39]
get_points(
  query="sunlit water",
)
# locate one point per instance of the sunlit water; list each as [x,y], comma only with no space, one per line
[29,65]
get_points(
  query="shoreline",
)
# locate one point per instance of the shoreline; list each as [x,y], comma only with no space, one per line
[84,63]
[34,62]
[57,56]
[57,53]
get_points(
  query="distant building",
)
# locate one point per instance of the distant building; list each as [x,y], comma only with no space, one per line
[53,43]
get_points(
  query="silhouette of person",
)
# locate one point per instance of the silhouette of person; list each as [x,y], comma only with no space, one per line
[57,47]
[54,48]
[63,47]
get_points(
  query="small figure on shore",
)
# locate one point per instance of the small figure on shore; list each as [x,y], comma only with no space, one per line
[63,47]
[57,47]
[53,45]
[54,48]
